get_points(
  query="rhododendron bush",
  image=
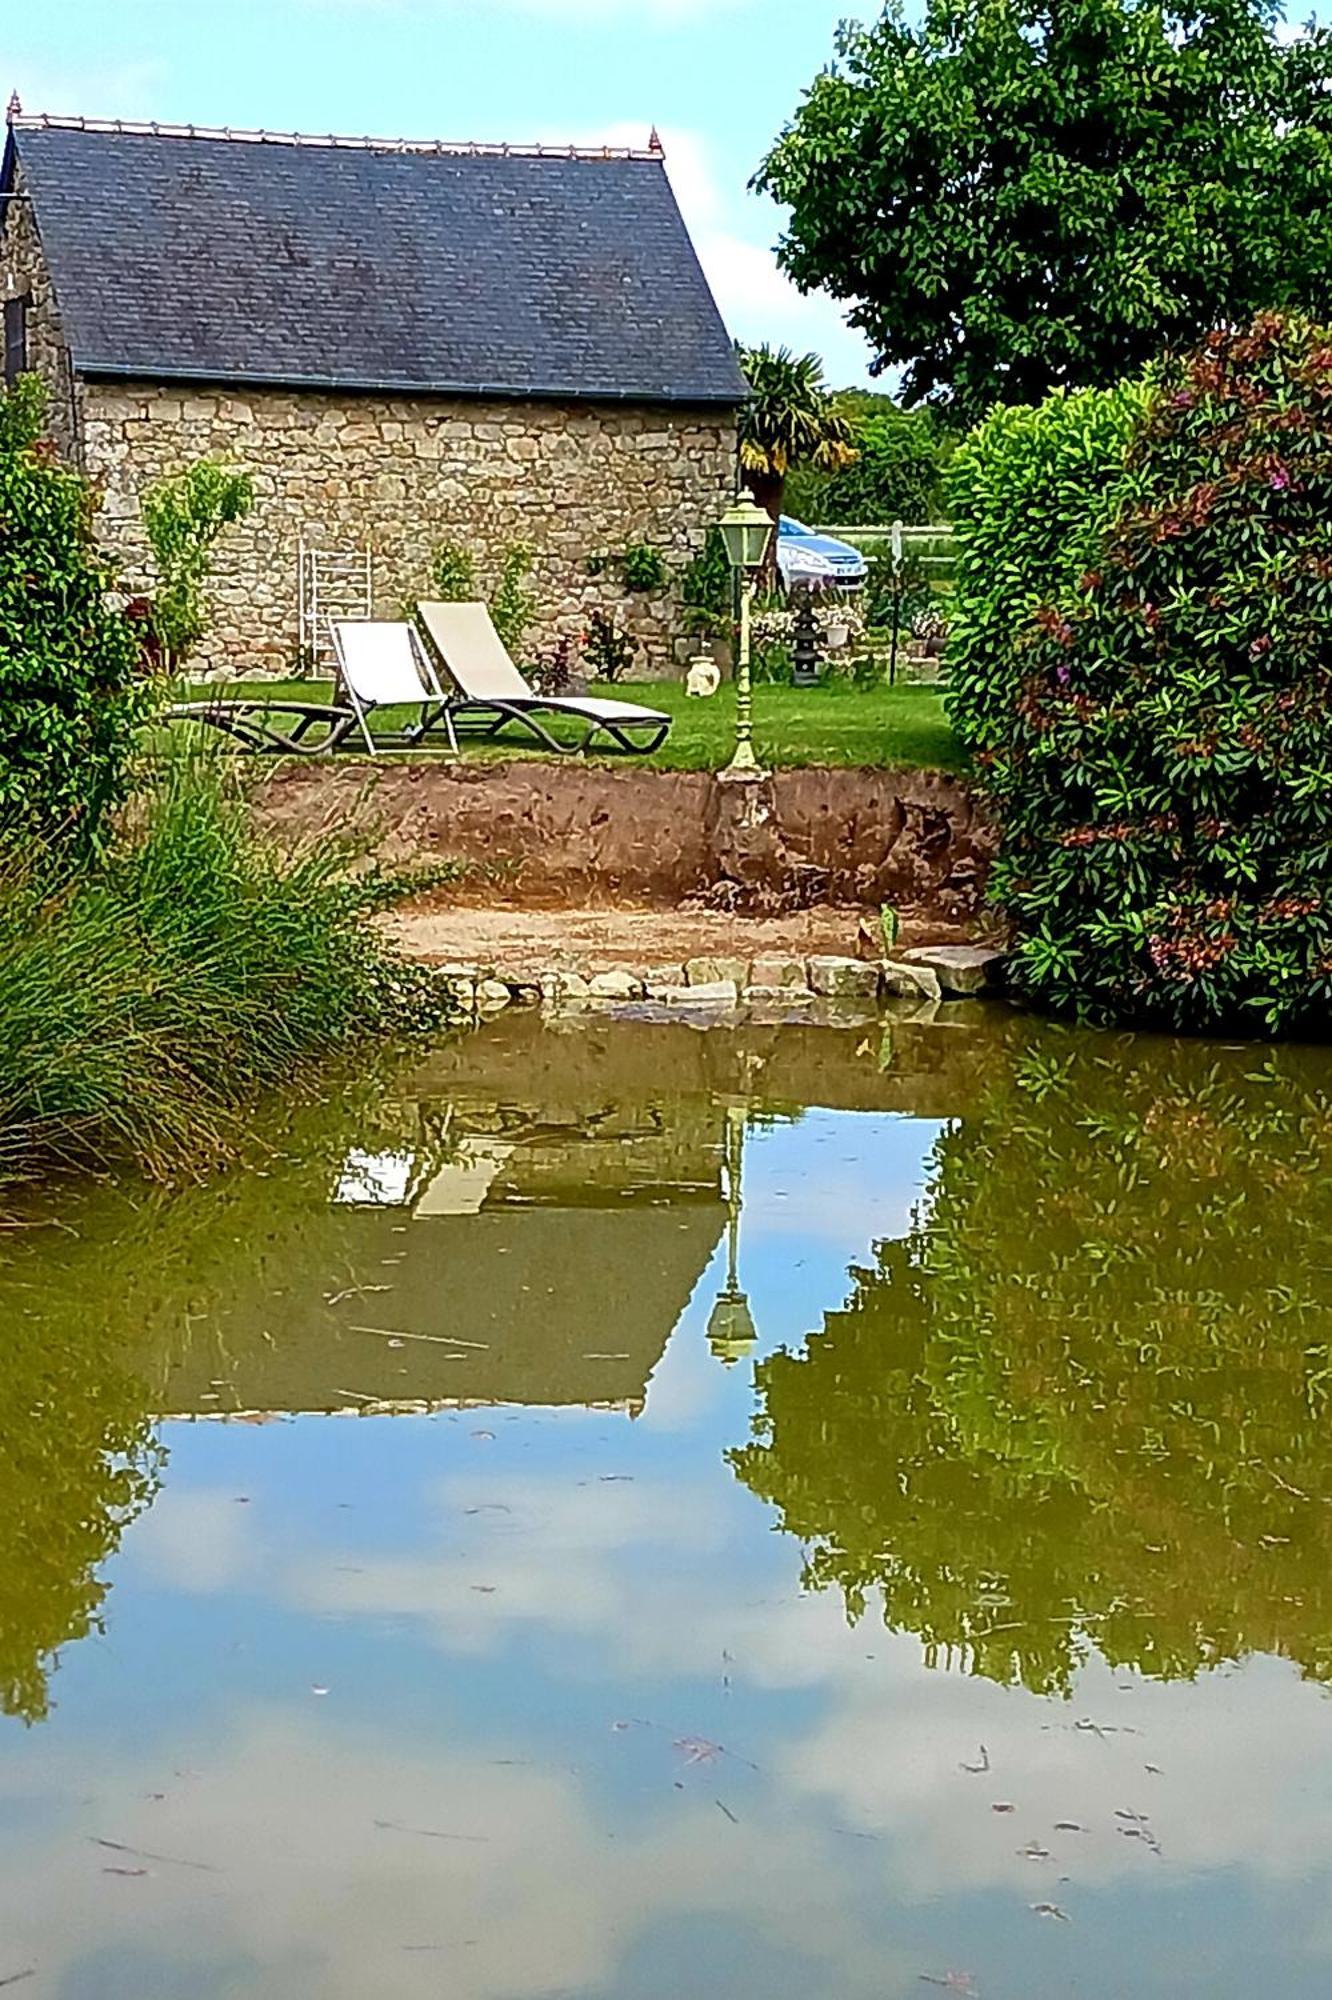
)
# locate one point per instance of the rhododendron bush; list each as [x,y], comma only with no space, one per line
[1156,730]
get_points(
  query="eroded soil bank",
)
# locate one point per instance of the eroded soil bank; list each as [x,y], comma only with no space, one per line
[575,836]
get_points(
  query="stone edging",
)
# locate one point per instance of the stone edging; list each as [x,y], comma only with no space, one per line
[926,974]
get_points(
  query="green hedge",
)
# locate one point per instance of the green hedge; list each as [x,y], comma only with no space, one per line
[1155,729]
[1030,492]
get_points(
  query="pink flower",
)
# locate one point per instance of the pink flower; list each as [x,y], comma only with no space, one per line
[1279,479]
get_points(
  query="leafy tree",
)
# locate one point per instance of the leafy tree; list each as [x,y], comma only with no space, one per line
[70,695]
[1014,196]
[1160,755]
[452,576]
[789,420]
[1078,1406]
[184,514]
[896,475]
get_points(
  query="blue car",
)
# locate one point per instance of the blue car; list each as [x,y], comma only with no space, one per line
[809,561]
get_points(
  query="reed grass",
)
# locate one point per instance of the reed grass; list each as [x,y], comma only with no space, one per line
[146,1001]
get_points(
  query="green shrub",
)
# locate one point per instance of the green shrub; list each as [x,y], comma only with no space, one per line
[1163,775]
[145,1002]
[607,648]
[708,589]
[70,696]
[513,606]
[643,567]
[903,587]
[1029,491]
[452,576]
[183,516]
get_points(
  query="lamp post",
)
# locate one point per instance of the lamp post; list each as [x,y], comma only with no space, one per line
[746,530]
[731,1330]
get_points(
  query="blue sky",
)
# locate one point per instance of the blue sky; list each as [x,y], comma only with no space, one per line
[717,77]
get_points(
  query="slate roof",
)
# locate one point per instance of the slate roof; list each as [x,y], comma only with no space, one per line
[371,265]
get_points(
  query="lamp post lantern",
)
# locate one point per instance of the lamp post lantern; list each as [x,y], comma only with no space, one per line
[746,530]
[731,1330]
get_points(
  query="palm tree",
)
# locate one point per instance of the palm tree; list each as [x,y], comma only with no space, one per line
[789,420]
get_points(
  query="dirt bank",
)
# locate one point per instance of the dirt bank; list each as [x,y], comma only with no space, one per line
[583,837]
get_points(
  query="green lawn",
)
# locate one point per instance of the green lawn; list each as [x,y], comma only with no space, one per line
[840,725]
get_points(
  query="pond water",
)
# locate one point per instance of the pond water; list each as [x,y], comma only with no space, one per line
[789,1514]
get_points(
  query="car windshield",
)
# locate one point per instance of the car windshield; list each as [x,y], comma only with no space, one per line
[788,527]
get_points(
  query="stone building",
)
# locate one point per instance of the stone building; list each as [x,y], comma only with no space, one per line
[405,344]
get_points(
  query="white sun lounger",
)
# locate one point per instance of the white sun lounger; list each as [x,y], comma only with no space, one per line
[492,692]
[384,665]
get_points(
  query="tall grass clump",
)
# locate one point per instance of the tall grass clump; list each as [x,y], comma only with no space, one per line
[147,1000]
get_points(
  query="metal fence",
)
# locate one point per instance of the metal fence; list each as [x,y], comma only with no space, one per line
[931,546]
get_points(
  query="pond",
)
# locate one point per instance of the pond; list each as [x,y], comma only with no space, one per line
[625,1512]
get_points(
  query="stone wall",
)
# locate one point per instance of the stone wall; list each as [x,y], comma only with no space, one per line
[582,834]
[23,271]
[402,475]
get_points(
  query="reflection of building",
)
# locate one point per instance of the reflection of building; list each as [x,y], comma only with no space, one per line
[507,1256]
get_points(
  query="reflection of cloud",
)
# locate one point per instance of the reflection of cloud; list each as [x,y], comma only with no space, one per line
[884,1756]
[566,1557]
[540,1892]
[1231,1790]
[375,1180]
[195,1539]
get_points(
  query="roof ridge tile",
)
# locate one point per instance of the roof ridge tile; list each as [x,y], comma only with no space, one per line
[42,121]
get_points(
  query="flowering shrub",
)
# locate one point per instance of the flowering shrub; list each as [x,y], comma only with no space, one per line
[1162,760]
[774,625]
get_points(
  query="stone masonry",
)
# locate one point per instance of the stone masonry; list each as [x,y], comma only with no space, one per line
[402,475]
[23,272]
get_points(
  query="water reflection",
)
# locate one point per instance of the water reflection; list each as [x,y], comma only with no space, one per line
[1084,1401]
[452,1654]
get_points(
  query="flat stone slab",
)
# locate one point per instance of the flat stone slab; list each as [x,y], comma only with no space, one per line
[719,993]
[901,981]
[844,978]
[788,996]
[959,968]
[711,971]
[615,986]
[774,969]
[561,989]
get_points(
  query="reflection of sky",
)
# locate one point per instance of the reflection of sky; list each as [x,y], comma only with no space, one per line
[504,1703]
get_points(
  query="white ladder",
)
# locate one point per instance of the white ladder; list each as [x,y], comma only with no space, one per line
[333,584]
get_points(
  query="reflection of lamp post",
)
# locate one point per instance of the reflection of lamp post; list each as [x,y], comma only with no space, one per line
[731,1330]
[746,530]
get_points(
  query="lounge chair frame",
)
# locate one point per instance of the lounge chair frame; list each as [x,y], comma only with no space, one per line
[250,722]
[480,721]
